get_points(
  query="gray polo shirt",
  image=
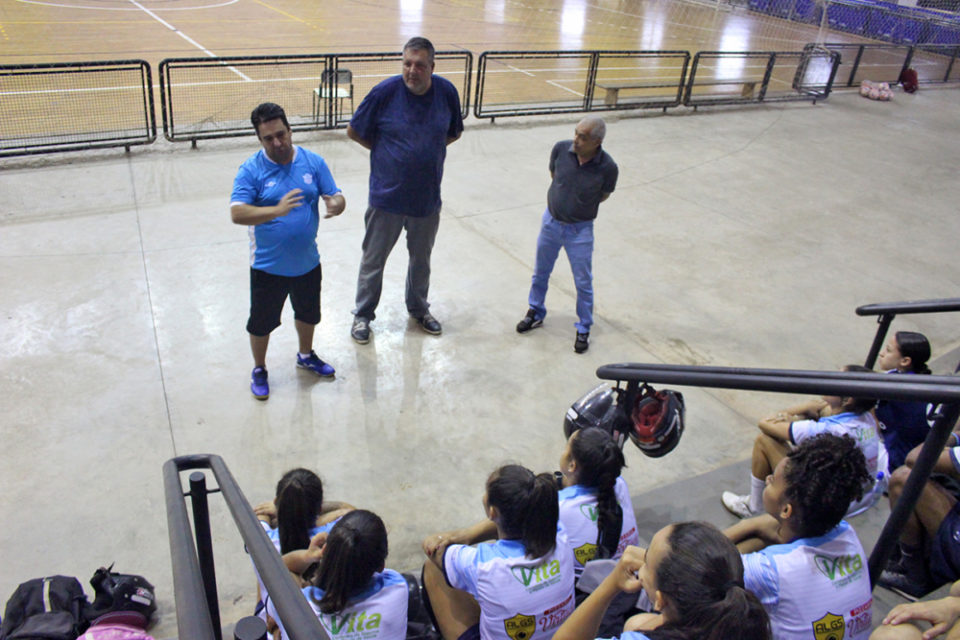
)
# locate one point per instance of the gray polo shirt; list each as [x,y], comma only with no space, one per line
[575,192]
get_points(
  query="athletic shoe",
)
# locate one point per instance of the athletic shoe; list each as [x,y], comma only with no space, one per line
[582,343]
[737,505]
[360,332]
[905,586]
[258,384]
[315,364]
[529,322]
[429,324]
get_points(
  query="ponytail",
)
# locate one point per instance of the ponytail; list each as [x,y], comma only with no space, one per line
[915,346]
[599,462]
[528,507]
[299,500]
[355,550]
[702,577]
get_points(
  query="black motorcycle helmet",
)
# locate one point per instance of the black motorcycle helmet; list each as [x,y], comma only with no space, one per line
[598,408]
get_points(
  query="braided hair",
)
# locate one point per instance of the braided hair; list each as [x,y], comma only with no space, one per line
[702,577]
[528,507]
[824,474]
[599,462]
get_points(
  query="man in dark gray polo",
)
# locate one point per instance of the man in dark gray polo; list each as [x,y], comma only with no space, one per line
[584,175]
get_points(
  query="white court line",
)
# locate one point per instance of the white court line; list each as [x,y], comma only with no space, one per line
[80,6]
[518,69]
[185,36]
[560,86]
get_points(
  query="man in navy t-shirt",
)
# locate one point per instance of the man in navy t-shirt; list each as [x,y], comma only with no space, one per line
[406,122]
[276,194]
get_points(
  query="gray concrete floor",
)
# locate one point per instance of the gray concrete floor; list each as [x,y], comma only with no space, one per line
[741,237]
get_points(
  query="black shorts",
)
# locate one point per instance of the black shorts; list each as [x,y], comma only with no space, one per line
[945,549]
[268,292]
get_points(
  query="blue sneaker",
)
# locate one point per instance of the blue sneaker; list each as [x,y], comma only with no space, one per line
[315,364]
[258,384]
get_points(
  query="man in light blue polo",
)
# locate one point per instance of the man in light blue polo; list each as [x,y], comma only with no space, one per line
[584,175]
[276,194]
[406,122]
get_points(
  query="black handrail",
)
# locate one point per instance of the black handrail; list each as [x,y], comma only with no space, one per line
[944,389]
[887,311]
[193,616]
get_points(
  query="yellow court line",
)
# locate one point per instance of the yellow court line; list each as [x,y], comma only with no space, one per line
[284,13]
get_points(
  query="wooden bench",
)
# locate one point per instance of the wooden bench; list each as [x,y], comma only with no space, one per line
[613,89]
[747,88]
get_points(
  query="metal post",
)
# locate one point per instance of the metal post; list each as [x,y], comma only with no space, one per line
[884,322]
[936,439]
[250,628]
[201,530]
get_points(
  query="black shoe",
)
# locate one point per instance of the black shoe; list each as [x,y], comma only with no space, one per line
[529,322]
[582,342]
[360,331]
[430,324]
[904,585]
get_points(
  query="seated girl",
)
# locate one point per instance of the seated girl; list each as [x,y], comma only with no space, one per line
[811,572]
[693,575]
[903,424]
[296,514]
[595,507]
[351,593]
[520,586]
[782,431]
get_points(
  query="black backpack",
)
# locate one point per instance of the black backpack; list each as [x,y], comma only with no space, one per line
[45,609]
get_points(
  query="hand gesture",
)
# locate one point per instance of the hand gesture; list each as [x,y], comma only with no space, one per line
[438,542]
[627,571]
[290,201]
[942,614]
[335,205]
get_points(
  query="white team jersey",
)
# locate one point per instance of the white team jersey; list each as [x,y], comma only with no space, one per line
[378,613]
[578,514]
[862,428]
[520,598]
[274,535]
[814,588]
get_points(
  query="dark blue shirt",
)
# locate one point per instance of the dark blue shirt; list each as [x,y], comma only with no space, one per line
[408,134]
[903,425]
[575,192]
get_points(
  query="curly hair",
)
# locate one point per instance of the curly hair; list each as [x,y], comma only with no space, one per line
[824,475]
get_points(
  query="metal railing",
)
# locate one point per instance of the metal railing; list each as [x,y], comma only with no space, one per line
[204,98]
[934,64]
[887,311]
[194,580]
[517,83]
[944,390]
[75,106]
[760,76]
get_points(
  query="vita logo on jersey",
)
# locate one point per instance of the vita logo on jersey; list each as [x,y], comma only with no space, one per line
[840,566]
[829,627]
[520,626]
[351,622]
[589,511]
[538,577]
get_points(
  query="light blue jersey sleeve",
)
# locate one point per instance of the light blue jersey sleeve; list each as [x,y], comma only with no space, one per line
[244,185]
[803,429]
[325,181]
[761,578]
[460,567]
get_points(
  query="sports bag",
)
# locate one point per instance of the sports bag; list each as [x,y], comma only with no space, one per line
[49,608]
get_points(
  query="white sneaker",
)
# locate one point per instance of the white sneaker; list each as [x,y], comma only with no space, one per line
[737,505]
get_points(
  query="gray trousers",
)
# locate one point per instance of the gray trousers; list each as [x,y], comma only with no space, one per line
[382,231]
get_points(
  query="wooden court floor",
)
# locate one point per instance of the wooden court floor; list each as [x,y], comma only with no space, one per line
[33,31]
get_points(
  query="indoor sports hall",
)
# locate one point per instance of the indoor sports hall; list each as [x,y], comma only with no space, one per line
[740,234]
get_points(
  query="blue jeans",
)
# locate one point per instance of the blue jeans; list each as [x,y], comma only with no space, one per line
[577,240]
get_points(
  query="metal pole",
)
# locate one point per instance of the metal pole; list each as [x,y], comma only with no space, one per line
[884,322]
[250,628]
[936,439]
[201,529]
